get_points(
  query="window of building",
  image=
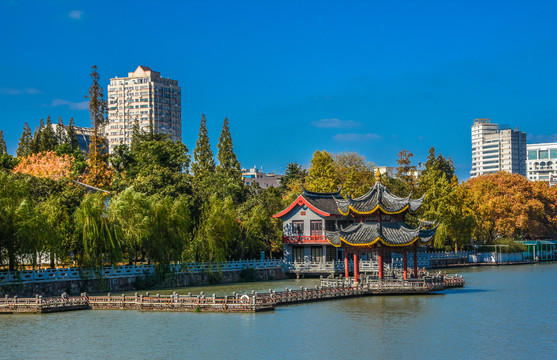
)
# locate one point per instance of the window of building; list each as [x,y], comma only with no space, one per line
[316,253]
[330,253]
[532,154]
[544,154]
[298,227]
[553,153]
[298,253]
[316,227]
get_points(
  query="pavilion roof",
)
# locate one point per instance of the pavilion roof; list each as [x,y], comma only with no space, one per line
[323,201]
[378,198]
[390,234]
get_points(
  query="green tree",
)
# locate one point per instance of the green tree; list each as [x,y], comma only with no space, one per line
[71,136]
[203,166]
[37,142]
[98,172]
[61,137]
[130,212]
[170,226]
[16,220]
[322,176]
[260,231]
[48,137]
[7,161]
[156,165]
[294,173]
[97,232]
[216,231]
[440,163]
[405,170]
[229,172]
[24,145]
[448,204]
[54,226]
[3,147]
[354,172]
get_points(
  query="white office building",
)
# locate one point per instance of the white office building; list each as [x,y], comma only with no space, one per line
[496,149]
[542,161]
[146,98]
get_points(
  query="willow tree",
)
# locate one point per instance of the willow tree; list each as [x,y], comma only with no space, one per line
[130,213]
[217,230]
[170,226]
[97,231]
[16,220]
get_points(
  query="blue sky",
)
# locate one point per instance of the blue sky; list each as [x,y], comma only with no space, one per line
[373,77]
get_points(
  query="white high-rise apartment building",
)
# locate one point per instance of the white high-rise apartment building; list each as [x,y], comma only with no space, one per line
[146,97]
[495,149]
[542,161]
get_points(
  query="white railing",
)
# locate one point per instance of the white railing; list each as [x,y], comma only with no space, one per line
[46,275]
[493,257]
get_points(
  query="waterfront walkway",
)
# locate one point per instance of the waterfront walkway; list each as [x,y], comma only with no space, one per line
[330,288]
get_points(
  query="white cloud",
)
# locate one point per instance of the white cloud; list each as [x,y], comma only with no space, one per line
[83,105]
[14,91]
[354,137]
[335,123]
[75,14]
[9,91]
[33,91]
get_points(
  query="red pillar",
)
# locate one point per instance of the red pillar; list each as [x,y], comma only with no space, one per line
[346,275]
[416,262]
[355,267]
[405,261]
[380,258]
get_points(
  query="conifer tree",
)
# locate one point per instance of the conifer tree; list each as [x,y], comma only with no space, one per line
[24,145]
[71,136]
[99,174]
[48,137]
[228,169]
[60,132]
[203,166]
[229,173]
[3,147]
[37,138]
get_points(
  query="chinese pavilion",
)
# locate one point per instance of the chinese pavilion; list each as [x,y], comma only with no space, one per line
[370,224]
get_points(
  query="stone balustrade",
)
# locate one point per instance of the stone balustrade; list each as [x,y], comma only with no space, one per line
[46,275]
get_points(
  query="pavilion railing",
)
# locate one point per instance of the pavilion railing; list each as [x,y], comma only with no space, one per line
[304,239]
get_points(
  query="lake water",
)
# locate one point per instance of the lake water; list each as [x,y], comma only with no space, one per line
[506,312]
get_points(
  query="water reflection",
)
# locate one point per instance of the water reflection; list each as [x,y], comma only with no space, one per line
[503,313]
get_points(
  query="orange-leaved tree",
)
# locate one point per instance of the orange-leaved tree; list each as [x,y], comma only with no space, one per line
[508,205]
[46,164]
